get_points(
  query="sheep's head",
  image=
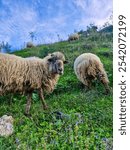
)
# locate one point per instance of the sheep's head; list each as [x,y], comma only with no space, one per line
[59,55]
[56,66]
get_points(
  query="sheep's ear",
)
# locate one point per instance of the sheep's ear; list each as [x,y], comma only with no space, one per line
[49,54]
[66,62]
[52,55]
[50,59]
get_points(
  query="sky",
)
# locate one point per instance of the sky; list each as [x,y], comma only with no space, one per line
[49,20]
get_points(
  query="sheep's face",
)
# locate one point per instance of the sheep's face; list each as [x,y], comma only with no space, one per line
[56,66]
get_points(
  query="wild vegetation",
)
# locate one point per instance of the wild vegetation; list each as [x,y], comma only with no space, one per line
[77,118]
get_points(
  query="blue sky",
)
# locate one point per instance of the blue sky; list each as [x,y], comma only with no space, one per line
[47,18]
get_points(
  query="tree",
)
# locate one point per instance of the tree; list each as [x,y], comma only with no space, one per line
[91,28]
[59,38]
[109,22]
[75,31]
[0,47]
[32,35]
[81,32]
[6,47]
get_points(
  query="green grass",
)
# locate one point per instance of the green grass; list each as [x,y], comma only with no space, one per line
[87,115]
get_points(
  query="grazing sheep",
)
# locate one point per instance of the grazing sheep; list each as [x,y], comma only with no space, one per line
[73,37]
[30,45]
[24,75]
[88,67]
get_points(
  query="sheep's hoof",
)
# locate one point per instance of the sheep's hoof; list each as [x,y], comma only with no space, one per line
[107,92]
[45,107]
[27,115]
[87,88]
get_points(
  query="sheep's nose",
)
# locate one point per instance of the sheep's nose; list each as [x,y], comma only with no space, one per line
[60,69]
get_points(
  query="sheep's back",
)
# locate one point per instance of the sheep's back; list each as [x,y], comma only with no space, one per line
[23,75]
[18,74]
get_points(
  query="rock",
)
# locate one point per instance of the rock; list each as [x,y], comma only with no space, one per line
[108,143]
[76,117]
[60,115]
[6,125]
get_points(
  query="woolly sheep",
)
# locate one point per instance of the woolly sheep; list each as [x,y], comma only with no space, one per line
[29,45]
[24,75]
[74,36]
[89,67]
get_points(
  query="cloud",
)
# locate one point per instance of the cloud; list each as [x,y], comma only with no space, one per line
[20,21]
[93,11]
[81,4]
[48,18]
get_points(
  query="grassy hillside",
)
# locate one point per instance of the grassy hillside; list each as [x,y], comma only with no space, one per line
[85,117]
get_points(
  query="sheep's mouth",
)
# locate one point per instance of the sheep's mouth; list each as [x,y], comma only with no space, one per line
[60,73]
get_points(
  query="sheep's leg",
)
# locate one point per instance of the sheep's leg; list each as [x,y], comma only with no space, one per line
[88,87]
[107,88]
[105,83]
[88,84]
[28,105]
[42,99]
[10,99]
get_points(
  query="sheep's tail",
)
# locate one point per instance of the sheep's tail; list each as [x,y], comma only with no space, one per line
[91,69]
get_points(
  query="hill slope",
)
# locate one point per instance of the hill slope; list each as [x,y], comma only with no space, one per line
[77,118]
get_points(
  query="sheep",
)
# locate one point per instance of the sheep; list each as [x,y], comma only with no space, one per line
[30,45]
[73,37]
[25,75]
[89,67]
